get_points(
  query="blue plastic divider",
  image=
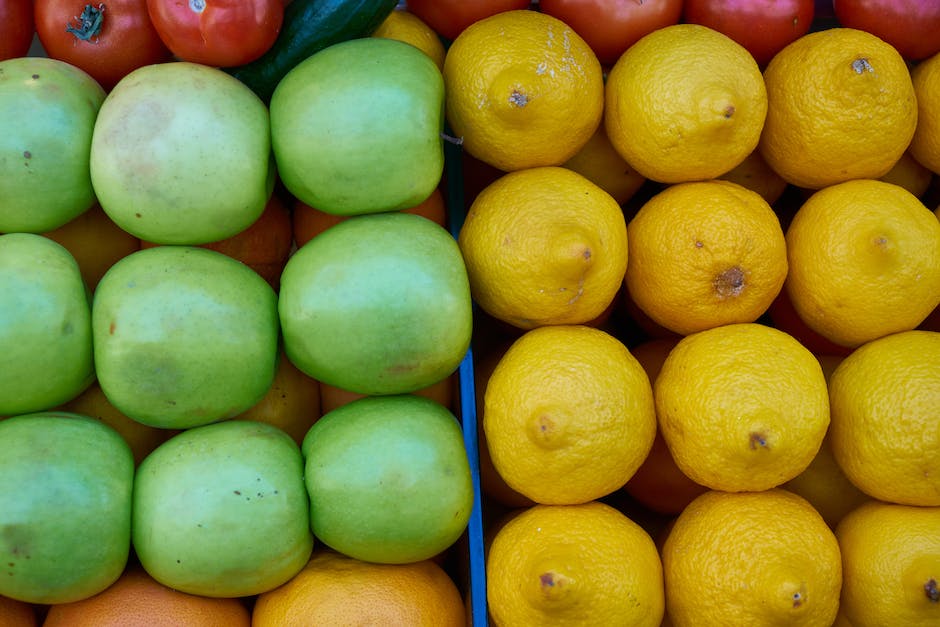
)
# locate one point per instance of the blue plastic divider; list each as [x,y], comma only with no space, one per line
[468,408]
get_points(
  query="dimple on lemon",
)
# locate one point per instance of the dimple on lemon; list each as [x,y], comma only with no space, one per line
[742,407]
[523,90]
[685,103]
[751,558]
[585,564]
[544,246]
[568,414]
[841,106]
[703,254]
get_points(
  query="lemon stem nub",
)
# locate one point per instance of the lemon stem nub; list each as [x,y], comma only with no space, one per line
[932,591]
[730,282]
[518,98]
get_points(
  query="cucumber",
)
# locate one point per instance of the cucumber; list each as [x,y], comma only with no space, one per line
[310,26]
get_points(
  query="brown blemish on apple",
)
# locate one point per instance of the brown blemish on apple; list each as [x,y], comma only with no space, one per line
[111,327]
[729,283]
[729,111]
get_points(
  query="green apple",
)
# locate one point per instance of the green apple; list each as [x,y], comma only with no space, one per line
[378,304]
[222,511]
[183,336]
[65,506]
[356,127]
[45,325]
[388,479]
[48,112]
[181,154]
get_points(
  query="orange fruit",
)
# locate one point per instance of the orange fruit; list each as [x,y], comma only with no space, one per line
[891,561]
[925,144]
[14,613]
[140,437]
[703,254]
[523,90]
[544,246]
[442,391]
[405,26]
[137,599]
[658,483]
[741,406]
[864,261]
[334,589]
[841,106]
[264,246]
[600,163]
[568,414]
[292,403]
[755,174]
[684,103]
[309,222]
[95,241]
[573,565]
[751,558]
[884,432]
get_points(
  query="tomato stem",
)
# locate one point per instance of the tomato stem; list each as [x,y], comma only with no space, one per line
[89,23]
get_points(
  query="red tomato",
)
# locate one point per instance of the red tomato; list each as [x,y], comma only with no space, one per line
[108,40]
[611,26]
[764,27]
[448,18]
[220,33]
[16,28]
[911,26]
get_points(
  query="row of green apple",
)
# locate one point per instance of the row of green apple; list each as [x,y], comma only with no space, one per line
[182,337]
[229,509]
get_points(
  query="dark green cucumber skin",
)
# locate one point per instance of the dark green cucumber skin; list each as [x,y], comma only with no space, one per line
[310,26]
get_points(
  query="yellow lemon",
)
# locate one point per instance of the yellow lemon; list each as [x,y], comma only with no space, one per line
[704,254]
[601,164]
[523,90]
[909,174]
[411,29]
[574,565]
[751,558]
[568,414]
[885,397]
[544,246]
[891,562]
[864,261]
[823,483]
[841,106]
[741,406]
[756,174]
[684,103]
[925,144]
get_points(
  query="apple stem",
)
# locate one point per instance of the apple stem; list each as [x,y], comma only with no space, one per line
[457,141]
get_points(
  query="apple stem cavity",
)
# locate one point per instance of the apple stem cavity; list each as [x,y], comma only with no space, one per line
[89,23]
